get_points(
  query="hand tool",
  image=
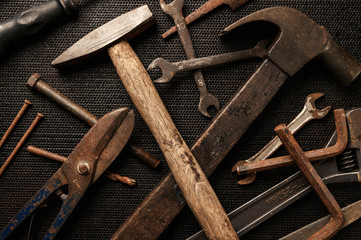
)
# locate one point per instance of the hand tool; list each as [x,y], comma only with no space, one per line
[340,169]
[308,113]
[174,9]
[21,142]
[162,205]
[189,176]
[15,121]
[35,82]
[351,213]
[62,159]
[85,164]
[170,69]
[336,220]
[314,155]
[204,9]
[33,20]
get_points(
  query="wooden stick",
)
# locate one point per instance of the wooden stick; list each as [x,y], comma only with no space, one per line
[189,176]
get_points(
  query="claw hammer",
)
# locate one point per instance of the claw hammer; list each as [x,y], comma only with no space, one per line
[189,176]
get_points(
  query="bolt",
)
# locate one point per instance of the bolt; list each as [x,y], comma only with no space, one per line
[15,121]
[21,142]
[32,81]
[83,168]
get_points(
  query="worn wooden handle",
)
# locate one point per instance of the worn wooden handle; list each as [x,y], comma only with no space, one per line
[189,176]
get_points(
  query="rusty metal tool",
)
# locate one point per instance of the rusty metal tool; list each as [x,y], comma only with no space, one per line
[336,220]
[34,20]
[308,113]
[314,155]
[174,9]
[14,122]
[89,159]
[35,82]
[62,159]
[170,69]
[204,9]
[161,206]
[189,176]
[343,168]
[351,213]
[21,142]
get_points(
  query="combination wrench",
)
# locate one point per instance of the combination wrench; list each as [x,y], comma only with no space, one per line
[170,69]
[174,9]
[340,169]
[308,113]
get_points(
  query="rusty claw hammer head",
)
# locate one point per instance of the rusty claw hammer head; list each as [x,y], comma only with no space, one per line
[301,39]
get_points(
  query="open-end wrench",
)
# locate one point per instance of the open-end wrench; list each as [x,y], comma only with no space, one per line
[170,69]
[343,168]
[204,9]
[308,113]
[174,9]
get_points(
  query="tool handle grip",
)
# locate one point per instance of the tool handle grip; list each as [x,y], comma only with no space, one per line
[33,20]
[189,176]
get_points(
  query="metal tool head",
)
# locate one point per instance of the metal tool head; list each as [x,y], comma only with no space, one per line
[123,27]
[310,104]
[234,4]
[206,102]
[301,39]
[172,7]
[168,70]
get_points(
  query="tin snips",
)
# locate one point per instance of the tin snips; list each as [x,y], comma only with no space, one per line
[89,159]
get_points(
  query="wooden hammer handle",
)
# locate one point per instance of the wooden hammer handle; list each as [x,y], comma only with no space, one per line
[189,176]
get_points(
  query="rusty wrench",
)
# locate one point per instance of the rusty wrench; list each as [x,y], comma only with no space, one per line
[170,69]
[174,9]
[308,113]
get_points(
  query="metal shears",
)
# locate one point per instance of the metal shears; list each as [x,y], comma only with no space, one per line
[89,159]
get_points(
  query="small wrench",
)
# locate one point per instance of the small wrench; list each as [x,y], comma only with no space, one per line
[174,9]
[170,69]
[308,113]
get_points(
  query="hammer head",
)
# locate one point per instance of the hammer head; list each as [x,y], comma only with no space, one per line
[123,27]
[301,39]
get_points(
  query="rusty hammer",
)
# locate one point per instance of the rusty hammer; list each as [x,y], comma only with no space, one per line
[189,176]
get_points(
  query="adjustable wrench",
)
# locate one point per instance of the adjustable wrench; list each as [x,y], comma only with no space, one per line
[308,113]
[174,9]
[343,168]
[170,69]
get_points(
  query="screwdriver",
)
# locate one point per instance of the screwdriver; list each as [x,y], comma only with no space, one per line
[33,20]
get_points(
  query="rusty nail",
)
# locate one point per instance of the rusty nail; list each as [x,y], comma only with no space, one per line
[319,154]
[21,142]
[336,220]
[145,156]
[62,159]
[15,121]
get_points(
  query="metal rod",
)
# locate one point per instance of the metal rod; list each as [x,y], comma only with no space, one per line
[336,220]
[62,159]
[21,142]
[15,121]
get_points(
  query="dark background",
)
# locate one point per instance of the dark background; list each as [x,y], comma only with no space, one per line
[95,86]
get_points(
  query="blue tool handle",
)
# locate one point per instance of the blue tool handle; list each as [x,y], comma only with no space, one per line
[40,196]
[33,20]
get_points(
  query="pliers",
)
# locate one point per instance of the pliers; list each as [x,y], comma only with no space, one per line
[89,159]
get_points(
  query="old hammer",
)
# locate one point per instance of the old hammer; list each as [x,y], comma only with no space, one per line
[189,176]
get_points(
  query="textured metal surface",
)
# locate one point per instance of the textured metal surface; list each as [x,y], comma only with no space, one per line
[96,87]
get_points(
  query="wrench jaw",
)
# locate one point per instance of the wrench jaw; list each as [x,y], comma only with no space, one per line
[206,102]
[166,68]
[171,7]
[311,106]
